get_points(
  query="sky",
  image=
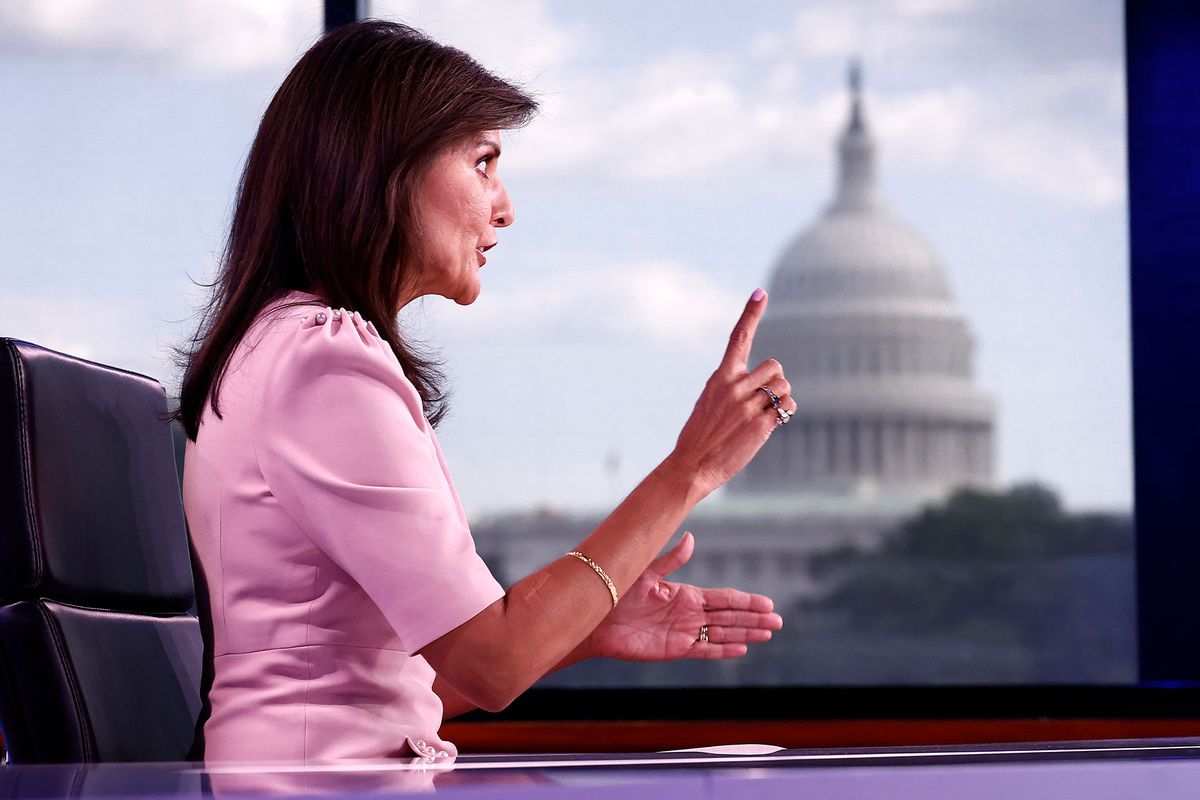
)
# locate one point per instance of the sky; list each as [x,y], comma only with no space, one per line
[680,147]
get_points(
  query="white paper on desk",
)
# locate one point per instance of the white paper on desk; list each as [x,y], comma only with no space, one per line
[731,750]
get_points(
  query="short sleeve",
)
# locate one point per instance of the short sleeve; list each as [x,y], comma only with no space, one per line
[345,450]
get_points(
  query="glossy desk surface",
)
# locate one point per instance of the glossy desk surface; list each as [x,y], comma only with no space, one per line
[1162,769]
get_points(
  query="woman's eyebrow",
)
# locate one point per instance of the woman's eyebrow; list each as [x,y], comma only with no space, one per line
[489,143]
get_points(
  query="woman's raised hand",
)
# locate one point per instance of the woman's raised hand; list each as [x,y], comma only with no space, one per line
[561,613]
[658,620]
[733,417]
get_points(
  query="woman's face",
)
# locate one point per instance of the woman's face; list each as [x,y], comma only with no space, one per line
[460,203]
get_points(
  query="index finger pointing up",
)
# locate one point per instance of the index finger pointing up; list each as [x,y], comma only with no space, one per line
[738,351]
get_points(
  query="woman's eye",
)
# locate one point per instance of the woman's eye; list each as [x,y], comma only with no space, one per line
[482,164]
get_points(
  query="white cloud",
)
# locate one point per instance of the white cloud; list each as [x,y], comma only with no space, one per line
[516,38]
[873,30]
[659,304]
[930,127]
[1028,143]
[107,331]
[686,116]
[1053,160]
[214,37]
[922,8]
[680,117]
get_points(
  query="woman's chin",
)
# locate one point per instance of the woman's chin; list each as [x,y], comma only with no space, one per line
[468,297]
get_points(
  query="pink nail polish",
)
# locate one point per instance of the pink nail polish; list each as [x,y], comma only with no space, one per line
[759,294]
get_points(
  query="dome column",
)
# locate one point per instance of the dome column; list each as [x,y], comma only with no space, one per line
[893,466]
[842,454]
[818,460]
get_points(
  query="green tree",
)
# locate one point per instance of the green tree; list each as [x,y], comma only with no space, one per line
[991,578]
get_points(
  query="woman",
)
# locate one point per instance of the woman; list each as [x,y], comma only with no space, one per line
[349,611]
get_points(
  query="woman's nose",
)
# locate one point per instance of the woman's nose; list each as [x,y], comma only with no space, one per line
[502,209]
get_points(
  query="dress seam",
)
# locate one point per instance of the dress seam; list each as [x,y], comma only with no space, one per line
[221,555]
[308,651]
[256,393]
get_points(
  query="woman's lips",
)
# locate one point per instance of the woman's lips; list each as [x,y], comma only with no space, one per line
[483,248]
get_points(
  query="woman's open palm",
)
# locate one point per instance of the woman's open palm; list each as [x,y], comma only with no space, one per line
[658,620]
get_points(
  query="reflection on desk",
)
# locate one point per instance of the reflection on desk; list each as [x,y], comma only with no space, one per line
[1165,769]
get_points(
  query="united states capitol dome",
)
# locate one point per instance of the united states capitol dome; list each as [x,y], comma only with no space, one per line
[880,359]
[858,253]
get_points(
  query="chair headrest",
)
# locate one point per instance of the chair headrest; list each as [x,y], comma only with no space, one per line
[89,494]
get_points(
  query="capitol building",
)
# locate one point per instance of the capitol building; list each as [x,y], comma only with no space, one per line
[879,358]
[881,366]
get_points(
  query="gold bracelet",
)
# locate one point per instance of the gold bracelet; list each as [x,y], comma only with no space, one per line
[599,571]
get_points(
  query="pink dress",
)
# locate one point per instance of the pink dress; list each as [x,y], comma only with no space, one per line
[333,545]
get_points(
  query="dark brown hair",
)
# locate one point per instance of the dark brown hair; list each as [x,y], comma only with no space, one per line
[326,197]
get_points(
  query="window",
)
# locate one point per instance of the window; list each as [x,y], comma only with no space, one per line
[676,166]
[123,139]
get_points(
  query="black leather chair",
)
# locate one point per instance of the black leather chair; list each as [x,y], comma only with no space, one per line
[100,659]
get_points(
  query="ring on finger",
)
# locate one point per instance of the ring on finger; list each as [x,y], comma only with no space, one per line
[703,637]
[775,401]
